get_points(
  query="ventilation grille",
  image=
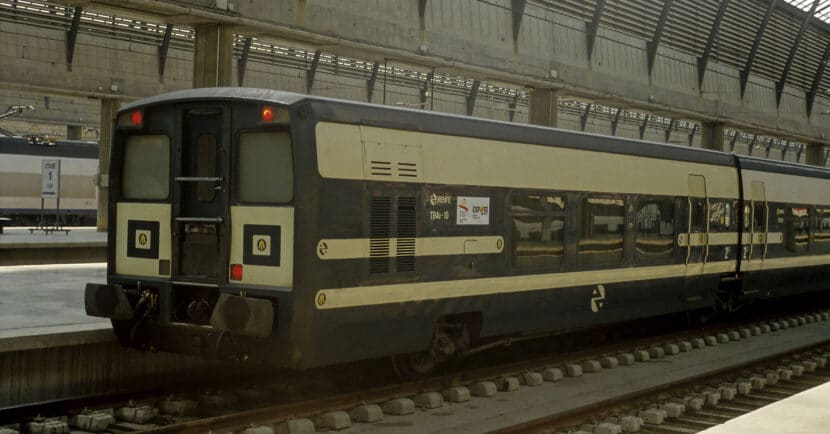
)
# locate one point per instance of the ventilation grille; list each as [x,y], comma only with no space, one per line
[405,246]
[407,170]
[379,232]
[381,168]
[392,161]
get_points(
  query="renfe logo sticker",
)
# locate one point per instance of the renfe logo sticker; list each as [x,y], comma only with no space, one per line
[472,210]
[143,239]
[262,245]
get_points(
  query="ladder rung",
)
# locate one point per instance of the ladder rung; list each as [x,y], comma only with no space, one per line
[200,219]
[198,179]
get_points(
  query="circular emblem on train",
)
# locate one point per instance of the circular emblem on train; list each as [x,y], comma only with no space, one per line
[598,298]
[321,299]
[142,239]
[322,249]
[499,244]
[262,245]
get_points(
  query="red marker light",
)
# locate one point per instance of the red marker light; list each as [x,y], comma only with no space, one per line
[236,271]
[267,114]
[136,118]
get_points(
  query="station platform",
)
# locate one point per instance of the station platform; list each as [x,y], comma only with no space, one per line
[805,412]
[43,296]
[19,246]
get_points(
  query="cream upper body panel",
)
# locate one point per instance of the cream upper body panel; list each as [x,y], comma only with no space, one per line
[348,151]
[142,239]
[262,218]
[779,187]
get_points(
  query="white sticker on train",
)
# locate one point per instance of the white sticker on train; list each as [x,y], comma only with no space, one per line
[472,210]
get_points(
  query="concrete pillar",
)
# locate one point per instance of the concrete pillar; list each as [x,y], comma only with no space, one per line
[544,107]
[815,154]
[74,132]
[109,108]
[213,56]
[711,136]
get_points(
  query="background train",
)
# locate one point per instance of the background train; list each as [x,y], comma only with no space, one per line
[308,231]
[21,179]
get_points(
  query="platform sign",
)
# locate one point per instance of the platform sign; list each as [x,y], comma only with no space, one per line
[51,170]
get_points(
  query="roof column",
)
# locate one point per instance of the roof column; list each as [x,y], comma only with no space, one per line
[816,154]
[712,136]
[74,132]
[213,56]
[544,106]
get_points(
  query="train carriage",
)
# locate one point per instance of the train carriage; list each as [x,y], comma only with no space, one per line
[309,231]
[21,180]
[786,228]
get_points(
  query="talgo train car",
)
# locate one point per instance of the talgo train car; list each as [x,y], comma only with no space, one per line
[21,180]
[310,231]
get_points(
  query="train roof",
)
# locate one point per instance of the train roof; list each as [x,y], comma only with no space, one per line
[223,93]
[784,167]
[337,110]
[61,148]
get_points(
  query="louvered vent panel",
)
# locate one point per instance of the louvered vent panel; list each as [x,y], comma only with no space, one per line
[381,168]
[406,235]
[407,170]
[379,231]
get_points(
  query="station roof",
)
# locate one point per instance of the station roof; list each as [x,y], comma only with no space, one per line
[822,10]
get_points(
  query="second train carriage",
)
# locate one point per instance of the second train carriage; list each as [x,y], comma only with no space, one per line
[310,231]
[21,180]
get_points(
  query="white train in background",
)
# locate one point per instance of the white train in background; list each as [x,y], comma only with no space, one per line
[21,180]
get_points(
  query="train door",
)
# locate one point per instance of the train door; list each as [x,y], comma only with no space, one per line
[758,226]
[697,238]
[202,195]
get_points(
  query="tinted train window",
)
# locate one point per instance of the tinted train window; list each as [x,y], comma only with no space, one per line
[698,215]
[655,228]
[720,216]
[265,170]
[146,168]
[759,218]
[538,230]
[206,166]
[797,231]
[603,224]
[822,228]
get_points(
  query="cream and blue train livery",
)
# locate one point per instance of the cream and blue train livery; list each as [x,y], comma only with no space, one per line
[309,231]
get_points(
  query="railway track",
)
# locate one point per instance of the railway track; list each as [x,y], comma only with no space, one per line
[615,382]
[696,405]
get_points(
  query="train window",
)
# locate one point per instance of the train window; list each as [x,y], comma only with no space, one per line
[538,230]
[822,228]
[146,167]
[720,216]
[759,218]
[698,214]
[265,169]
[655,228]
[206,166]
[603,226]
[797,230]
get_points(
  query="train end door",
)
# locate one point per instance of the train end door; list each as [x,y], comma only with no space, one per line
[756,228]
[200,218]
[696,238]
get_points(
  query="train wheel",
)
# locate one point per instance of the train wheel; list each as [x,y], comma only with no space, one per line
[415,365]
